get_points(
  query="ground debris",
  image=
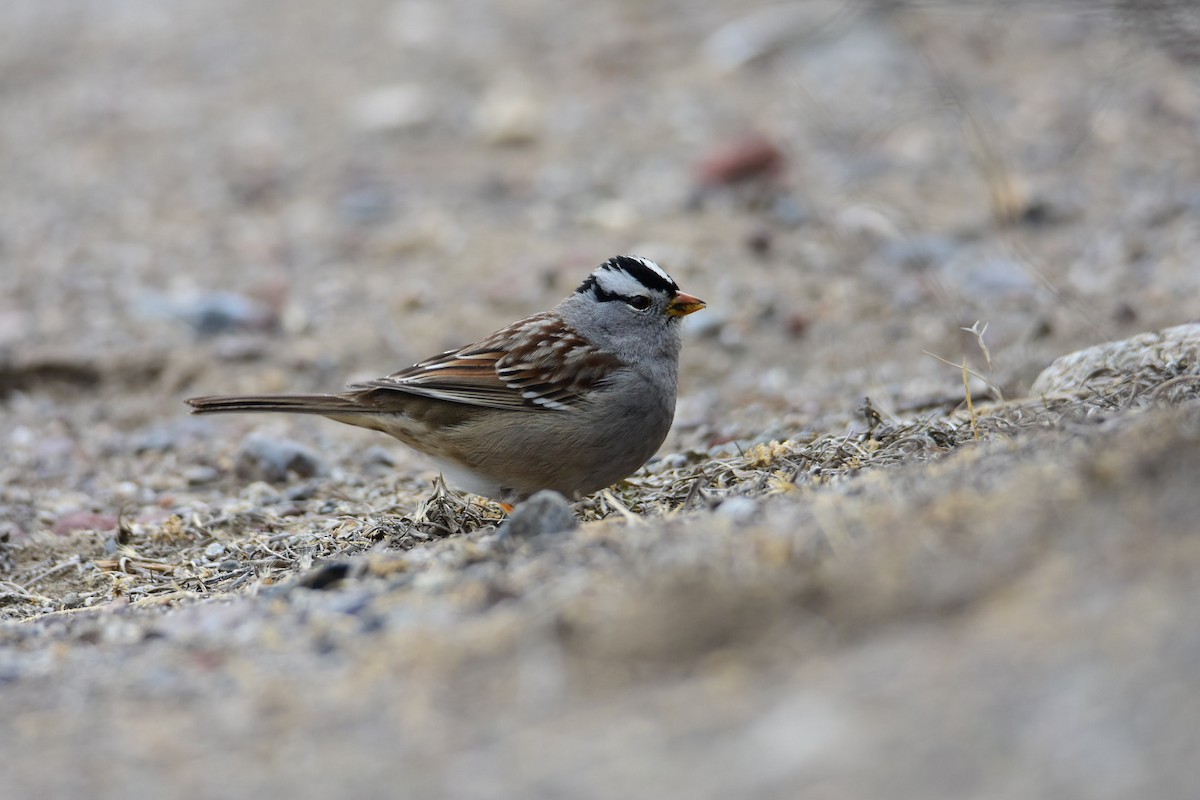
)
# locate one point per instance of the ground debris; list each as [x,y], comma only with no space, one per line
[244,547]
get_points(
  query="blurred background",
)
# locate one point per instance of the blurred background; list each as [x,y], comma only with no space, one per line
[212,196]
[288,195]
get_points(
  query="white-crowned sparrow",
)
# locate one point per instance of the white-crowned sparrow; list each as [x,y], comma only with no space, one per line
[572,399]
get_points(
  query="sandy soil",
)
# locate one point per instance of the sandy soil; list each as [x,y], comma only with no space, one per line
[802,595]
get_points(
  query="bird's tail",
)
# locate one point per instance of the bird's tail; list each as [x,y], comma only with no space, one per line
[325,404]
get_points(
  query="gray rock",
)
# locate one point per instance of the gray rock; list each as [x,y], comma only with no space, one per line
[200,475]
[211,313]
[545,512]
[167,436]
[739,509]
[397,107]
[988,276]
[270,459]
[1155,358]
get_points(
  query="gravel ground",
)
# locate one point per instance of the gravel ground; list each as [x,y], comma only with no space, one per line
[973,584]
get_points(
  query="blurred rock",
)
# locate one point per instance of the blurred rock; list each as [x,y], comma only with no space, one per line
[1158,357]
[753,156]
[367,201]
[614,216]
[789,211]
[987,277]
[211,313]
[919,252]
[739,509]
[1048,210]
[167,436]
[392,108]
[766,30]
[16,325]
[22,371]
[255,165]
[198,476]
[710,324]
[325,576]
[272,460]
[241,347]
[543,513]
[378,455]
[417,23]
[509,114]
[759,241]
[872,222]
[84,521]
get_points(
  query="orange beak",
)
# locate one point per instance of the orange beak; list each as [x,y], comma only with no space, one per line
[683,304]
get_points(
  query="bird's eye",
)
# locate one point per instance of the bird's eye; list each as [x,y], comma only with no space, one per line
[639,302]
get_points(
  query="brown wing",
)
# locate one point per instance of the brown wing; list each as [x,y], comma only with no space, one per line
[538,362]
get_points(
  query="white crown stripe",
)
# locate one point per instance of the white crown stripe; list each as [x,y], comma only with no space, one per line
[620,283]
[655,267]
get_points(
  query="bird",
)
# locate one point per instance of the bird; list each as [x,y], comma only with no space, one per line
[573,399]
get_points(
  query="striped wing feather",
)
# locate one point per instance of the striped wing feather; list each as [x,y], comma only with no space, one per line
[535,363]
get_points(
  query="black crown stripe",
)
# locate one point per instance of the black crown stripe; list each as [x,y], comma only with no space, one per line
[642,274]
[593,285]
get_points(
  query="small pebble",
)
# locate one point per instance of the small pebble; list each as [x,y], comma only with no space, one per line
[613,215]
[544,512]
[367,203]
[707,325]
[324,576]
[788,210]
[920,252]
[271,459]
[739,509]
[164,437]
[379,455]
[759,32]
[392,108]
[796,324]
[200,475]
[16,325]
[300,493]
[759,241]
[989,277]
[84,521]
[668,462]
[211,313]
[241,348]
[750,157]
[868,222]
[509,115]
[126,490]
